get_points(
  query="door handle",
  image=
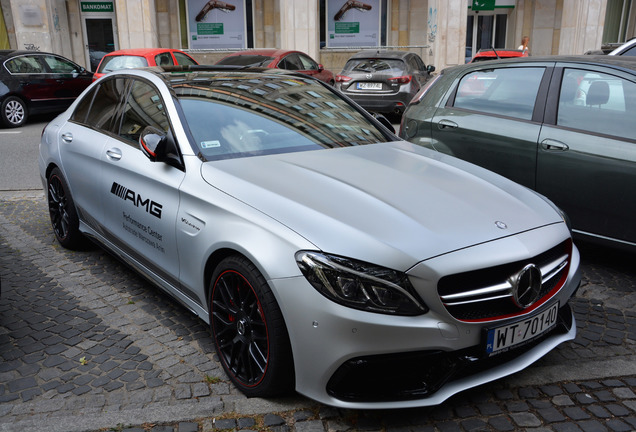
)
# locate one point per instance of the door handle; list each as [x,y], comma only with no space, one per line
[114,153]
[552,145]
[67,137]
[446,124]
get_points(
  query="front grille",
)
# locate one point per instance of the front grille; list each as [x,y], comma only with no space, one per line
[486,294]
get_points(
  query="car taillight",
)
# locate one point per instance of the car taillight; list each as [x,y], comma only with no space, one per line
[401,80]
[342,78]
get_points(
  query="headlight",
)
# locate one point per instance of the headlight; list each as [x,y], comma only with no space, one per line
[360,285]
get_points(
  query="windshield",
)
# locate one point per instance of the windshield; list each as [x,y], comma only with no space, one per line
[231,117]
[246,60]
[111,63]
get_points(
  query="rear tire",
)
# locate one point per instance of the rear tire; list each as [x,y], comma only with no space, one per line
[249,332]
[64,219]
[14,112]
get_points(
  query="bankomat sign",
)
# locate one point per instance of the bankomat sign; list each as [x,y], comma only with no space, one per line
[102,6]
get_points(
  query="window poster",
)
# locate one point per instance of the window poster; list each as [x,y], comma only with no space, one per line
[216,24]
[353,23]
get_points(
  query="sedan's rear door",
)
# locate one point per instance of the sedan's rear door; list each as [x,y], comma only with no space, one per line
[493,119]
[587,152]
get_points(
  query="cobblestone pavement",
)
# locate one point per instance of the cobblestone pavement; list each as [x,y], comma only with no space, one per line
[86,345]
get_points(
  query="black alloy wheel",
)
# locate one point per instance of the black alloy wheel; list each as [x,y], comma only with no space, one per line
[62,211]
[249,332]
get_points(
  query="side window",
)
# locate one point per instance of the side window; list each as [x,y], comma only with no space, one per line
[24,64]
[291,62]
[164,59]
[83,107]
[183,59]
[144,107]
[107,99]
[59,65]
[630,52]
[307,63]
[413,64]
[510,92]
[596,102]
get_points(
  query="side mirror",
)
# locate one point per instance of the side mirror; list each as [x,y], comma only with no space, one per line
[321,68]
[430,68]
[152,142]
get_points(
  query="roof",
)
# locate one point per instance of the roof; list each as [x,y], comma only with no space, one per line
[601,60]
[270,52]
[379,53]
[142,51]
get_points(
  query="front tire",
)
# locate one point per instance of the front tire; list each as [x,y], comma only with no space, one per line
[249,332]
[14,112]
[64,219]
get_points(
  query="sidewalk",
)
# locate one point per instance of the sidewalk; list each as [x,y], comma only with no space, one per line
[86,344]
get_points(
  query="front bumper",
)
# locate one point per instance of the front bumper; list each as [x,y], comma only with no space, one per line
[361,360]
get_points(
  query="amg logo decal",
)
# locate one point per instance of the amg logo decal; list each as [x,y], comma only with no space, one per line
[151,207]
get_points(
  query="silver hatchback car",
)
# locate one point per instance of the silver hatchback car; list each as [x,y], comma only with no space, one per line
[327,255]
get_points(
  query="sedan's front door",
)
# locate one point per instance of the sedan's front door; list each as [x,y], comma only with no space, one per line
[140,197]
[587,153]
[492,119]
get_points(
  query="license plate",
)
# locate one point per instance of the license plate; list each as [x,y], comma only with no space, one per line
[502,338]
[369,86]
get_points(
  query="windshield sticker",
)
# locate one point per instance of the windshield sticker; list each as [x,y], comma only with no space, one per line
[210,144]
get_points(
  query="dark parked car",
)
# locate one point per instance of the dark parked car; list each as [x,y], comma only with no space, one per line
[280,59]
[33,82]
[563,126]
[383,81]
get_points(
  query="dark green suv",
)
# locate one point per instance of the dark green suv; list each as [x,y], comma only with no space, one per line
[563,126]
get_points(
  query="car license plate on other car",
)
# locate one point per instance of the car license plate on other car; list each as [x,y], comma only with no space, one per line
[369,86]
[502,338]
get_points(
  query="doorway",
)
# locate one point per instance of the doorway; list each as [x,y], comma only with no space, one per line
[485,31]
[100,32]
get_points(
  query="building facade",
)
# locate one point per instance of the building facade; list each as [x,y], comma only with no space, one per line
[443,32]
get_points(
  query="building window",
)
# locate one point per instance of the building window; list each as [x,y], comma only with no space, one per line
[620,19]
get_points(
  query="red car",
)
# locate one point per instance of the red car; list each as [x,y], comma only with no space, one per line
[281,59]
[141,57]
[490,54]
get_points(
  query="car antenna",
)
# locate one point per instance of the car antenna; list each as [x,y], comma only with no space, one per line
[495,51]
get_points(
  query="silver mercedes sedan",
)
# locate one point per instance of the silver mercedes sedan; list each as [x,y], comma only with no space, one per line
[327,255]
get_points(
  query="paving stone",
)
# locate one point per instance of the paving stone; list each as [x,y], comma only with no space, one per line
[525,419]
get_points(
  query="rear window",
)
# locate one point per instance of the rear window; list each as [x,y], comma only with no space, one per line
[375,65]
[112,63]
[251,115]
[246,60]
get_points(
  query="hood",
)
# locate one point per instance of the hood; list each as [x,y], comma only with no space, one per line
[393,204]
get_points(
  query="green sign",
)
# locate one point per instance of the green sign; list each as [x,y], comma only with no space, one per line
[209,29]
[105,6]
[347,27]
[483,5]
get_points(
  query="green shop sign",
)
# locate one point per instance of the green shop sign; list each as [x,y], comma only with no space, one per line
[347,27]
[105,6]
[483,5]
[210,28]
